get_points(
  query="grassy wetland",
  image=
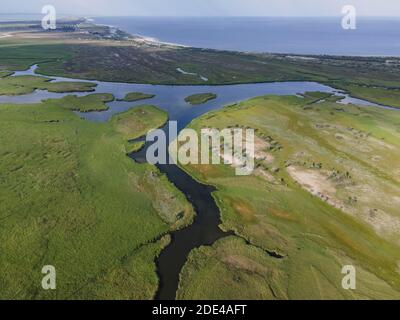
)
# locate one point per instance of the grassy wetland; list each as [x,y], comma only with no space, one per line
[70,195]
[88,103]
[20,85]
[137,96]
[200,98]
[325,194]
[94,52]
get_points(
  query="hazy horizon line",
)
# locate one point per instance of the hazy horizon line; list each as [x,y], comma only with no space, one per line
[87,15]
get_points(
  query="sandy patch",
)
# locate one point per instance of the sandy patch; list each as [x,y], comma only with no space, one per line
[382,143]
[396,200]
[260,146]
[376,158]
[316,183]
[265,175]
[382,222]
[180,70]
[302,58]
[311,179]
[241,160]
[365,149]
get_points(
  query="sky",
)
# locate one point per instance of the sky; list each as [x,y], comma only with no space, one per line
[204,7]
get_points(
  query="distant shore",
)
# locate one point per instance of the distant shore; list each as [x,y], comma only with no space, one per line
[138,37]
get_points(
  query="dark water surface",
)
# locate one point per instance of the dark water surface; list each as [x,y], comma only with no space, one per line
[205,229]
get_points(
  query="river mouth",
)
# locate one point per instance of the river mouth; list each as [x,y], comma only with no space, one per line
[205,229]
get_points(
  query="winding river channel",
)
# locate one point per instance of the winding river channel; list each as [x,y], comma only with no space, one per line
[205,229]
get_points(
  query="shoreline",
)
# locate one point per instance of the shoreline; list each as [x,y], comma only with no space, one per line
[138,37]
[346,93]
[155,41]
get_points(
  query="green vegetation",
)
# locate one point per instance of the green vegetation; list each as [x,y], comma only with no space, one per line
[136,96]
[136,122]
[324,194]
[19,54]
[132,147]
[88,103]
[80,29]
[27,84]
[65,87]
[137,272]
[384,96]
[71,198]
[97,57]
[245,271]
[240,271]
[5,74]
[200,98]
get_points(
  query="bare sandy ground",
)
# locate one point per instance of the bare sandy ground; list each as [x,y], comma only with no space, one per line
[317,183]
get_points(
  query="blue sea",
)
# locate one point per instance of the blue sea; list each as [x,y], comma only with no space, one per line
[373,36]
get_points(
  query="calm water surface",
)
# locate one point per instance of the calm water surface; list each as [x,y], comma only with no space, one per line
[205,229]
[373,36]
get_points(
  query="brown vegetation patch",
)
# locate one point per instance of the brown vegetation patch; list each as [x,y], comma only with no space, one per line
[243,209]
[281,214]
[245,264]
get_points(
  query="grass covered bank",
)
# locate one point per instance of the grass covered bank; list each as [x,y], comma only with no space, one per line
[20,85]
[200,98]
[137,96]
[324,194]
[88,103]
[137,62]
[71,198]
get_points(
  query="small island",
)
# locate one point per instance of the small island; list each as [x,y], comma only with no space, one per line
[136,96]
[89,103]
[137,121]
[200,98]
[26,84]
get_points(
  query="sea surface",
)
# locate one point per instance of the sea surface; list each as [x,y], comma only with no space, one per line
[373,36]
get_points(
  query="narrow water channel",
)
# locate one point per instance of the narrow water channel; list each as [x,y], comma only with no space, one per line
[205,229]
